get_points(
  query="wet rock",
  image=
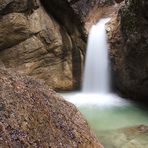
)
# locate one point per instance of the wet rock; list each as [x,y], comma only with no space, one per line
[32,115]
[129,137]
[90,11]
[129,54]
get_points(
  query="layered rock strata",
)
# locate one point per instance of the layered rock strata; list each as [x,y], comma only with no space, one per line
[33,41]
[46,39]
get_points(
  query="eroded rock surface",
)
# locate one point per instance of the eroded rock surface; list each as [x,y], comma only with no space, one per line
[129,44]
[46,39]
[32,115]
[34,42]
[90,11]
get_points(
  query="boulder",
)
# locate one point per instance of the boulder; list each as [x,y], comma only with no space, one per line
[128,49]
[32,115]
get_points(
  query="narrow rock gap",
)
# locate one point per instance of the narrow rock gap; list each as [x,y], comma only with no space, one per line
[69,22]
[48,9]
[63,13]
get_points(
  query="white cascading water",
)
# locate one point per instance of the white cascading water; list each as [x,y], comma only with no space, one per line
[104,110]
[96,74]
[96,83]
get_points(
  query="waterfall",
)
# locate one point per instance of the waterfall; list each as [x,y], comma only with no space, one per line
[96,82]
[96,72]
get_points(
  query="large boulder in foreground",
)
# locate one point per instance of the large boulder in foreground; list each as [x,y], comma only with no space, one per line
[129,49]
[32,115]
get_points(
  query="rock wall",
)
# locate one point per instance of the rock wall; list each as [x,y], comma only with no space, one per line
[34,41]
[47,39]
[129,49]
[90,11]
[32,115]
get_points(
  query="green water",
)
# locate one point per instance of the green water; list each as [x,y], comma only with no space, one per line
[116,121]
[114,125]
[114,117]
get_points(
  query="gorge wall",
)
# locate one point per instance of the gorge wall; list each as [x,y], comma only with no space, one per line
[129,49]
[46,39]
[36,42]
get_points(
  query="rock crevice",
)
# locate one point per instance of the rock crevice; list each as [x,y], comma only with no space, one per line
[38,45]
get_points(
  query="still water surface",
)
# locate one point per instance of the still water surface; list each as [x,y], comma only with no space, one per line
[108,114]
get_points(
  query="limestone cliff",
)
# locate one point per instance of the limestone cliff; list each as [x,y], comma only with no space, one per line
[46,39]
[34,40]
